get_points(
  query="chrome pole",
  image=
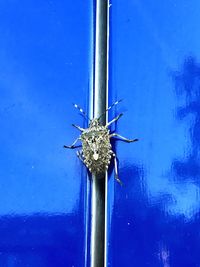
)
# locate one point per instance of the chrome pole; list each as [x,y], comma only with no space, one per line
[99,106]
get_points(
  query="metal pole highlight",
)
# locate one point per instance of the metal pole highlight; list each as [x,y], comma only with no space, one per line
[99,106]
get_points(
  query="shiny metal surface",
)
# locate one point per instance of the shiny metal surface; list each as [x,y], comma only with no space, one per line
[155,67]
[45,65]
[99,106]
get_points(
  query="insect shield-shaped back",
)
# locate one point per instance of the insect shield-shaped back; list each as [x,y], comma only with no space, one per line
[96,150]
[96,147]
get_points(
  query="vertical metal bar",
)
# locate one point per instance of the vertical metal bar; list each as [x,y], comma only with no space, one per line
[99,106]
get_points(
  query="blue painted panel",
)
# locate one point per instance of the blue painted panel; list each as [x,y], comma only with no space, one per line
[46,52]
[155,66]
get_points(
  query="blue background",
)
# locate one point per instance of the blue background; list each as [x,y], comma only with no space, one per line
[155,67]
[46,54]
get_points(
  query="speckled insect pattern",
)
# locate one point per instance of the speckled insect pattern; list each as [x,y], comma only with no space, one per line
[96,152]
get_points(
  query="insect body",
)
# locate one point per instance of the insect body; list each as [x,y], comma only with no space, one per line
[96,147]
[96,150]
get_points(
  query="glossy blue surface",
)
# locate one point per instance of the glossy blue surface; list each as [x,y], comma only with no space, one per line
[46,53]
[155,66]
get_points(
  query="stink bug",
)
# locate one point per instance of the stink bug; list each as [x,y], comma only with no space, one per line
[96,150]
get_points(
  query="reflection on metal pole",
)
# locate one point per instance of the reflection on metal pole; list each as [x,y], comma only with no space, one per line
[99,106]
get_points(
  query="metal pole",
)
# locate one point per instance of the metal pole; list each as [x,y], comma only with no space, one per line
[99,106]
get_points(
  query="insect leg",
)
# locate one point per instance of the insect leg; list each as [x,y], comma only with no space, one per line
[116,169]
[123,138]
[78,127]
[73,144]
[79,155]
[115,119]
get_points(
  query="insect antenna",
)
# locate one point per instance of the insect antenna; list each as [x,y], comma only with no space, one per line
[114,104]
[82,111]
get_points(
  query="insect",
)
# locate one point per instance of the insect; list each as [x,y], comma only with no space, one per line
[97,151]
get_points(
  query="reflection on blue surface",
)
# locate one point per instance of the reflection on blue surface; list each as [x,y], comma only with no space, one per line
[188,90]
[154,57]
[45,66]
